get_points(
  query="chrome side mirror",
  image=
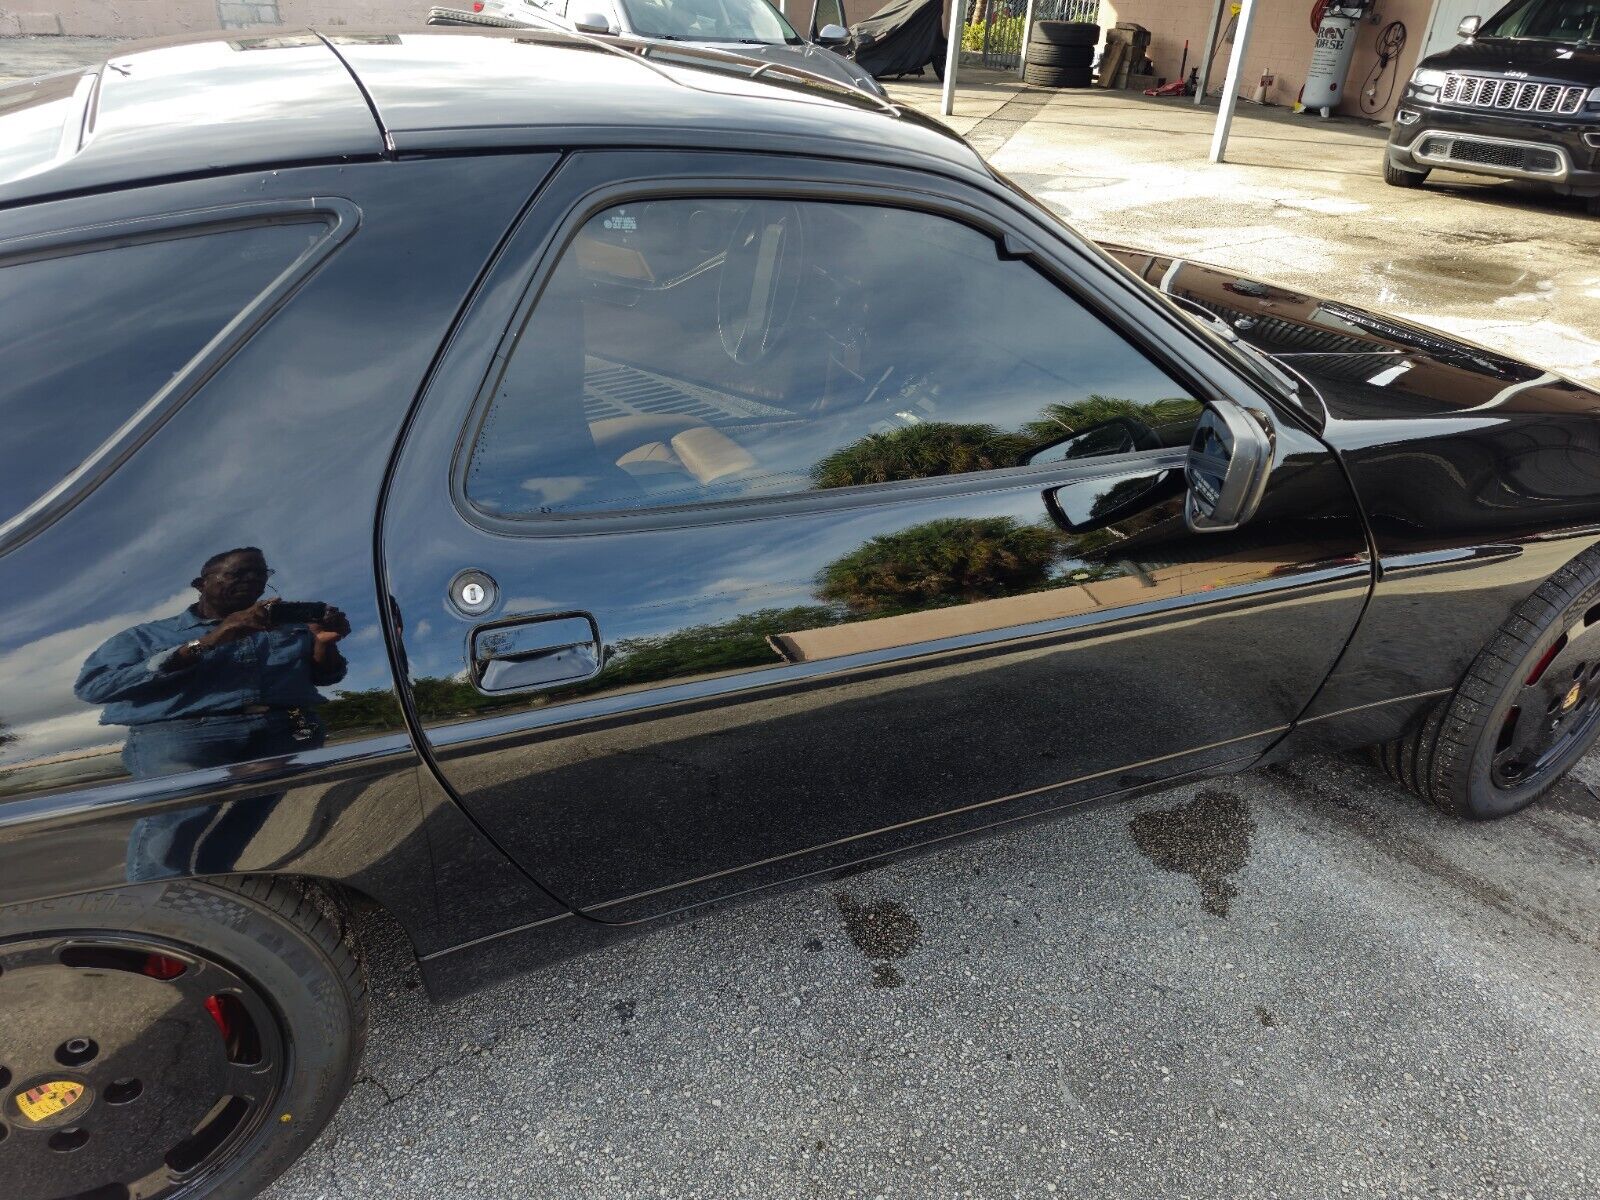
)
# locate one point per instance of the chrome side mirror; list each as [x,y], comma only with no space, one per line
[1468,27]
[592,22]
[832,35]
[1230,458]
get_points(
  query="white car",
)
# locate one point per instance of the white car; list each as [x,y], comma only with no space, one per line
[752,27]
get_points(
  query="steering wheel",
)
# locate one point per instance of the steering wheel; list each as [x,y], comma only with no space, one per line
[760,278]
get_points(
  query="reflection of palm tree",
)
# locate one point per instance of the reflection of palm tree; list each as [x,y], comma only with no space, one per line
[948,561]
[1119,494]
[700,650]
[704,649]
[1063,420]
[6,736]
[920,452]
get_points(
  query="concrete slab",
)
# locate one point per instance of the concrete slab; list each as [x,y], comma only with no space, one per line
[1303,203]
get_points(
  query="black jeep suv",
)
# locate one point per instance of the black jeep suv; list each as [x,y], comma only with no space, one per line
[1519,99]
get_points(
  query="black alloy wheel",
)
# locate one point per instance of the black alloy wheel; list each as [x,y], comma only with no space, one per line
[1553,716]
[192,1052]
[135,1065]
[1527,709]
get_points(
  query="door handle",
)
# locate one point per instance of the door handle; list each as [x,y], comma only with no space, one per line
[511,656]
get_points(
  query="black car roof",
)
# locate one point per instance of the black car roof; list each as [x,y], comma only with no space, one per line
[208,104]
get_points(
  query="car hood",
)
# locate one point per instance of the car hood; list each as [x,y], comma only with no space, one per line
[1365,366]
[807,56]
[1552,62]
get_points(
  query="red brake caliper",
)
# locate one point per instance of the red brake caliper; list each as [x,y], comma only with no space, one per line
[159,966]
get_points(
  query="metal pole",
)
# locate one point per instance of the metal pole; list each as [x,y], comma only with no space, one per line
[1027,32]
[952,55]
[1211,49]
[1230,86]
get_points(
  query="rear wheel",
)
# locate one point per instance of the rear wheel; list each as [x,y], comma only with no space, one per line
[1527,710]
[1400,177]
[182,1039]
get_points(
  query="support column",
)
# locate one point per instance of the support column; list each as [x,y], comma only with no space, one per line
[952,55]
[1230,86]
[1211,49]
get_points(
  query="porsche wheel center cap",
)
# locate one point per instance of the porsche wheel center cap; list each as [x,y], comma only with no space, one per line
[51,1102]
[1570,700]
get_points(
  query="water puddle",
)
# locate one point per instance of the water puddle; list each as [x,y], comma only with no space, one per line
[1431,278]
[1207,839]
[882,930]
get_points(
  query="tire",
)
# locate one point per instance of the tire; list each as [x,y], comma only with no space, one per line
[1065,33]
[1400,177]
[111,994]
[1591,205]
[1471,754]
[1044,54]
[1060,77]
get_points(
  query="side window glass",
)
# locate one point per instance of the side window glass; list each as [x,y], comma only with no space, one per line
[97,331]
[827,12]
[695,351]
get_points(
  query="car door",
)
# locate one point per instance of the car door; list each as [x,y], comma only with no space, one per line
[766,515]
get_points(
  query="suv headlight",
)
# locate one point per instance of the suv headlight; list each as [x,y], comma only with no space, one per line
[1593,103]
[1427,81]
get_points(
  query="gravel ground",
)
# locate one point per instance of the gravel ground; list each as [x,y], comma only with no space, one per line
[1297,983]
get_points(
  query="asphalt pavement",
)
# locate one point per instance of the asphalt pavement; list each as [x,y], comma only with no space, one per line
[1298,983]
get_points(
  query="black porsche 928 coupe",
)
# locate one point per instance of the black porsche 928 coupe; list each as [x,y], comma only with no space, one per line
[538,486]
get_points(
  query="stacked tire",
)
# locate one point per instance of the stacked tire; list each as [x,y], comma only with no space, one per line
[1060,54]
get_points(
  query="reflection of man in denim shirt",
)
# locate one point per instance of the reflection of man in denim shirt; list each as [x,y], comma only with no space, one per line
[218,683]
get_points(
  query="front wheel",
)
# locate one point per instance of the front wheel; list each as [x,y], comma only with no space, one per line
[1400,177]
[1527,710]
[180,1039]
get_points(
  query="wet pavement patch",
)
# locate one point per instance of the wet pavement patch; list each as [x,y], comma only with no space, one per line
[1207,839]
[1423,277]
[883,931]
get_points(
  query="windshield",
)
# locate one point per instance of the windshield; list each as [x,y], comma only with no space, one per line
[750,21]
[1546,20]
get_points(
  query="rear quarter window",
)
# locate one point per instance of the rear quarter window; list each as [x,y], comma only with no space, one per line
[92,333]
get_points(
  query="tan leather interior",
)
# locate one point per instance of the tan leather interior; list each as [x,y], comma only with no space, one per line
[617,435]
[650,459]
[709,455]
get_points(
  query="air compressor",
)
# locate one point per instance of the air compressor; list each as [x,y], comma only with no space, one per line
[1335,22]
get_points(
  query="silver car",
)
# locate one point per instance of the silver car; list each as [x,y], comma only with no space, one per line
[752,27]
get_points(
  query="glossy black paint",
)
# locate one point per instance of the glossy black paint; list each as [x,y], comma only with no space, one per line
[282,98]
[284,448]
[1479,477]
[326,438]
[776,759]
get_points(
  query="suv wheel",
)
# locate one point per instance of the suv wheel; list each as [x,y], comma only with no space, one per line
[171,1039]
[1400,177]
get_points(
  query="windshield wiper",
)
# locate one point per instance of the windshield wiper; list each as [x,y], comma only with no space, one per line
[1260,358]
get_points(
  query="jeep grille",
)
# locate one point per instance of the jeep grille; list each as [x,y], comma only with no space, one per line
[1511,95]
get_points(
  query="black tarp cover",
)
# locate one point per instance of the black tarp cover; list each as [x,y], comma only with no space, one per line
[906,35]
